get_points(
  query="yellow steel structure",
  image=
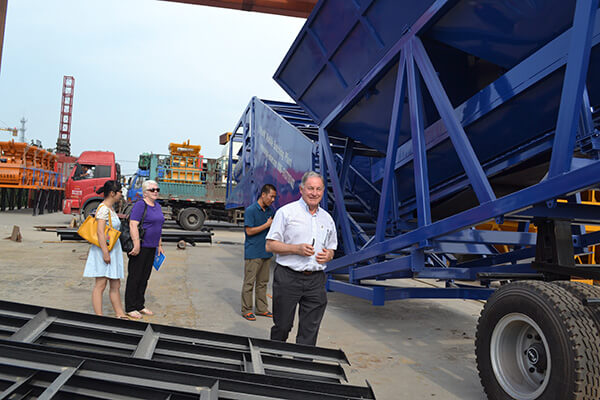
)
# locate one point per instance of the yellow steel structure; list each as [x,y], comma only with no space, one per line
[185,164]
[590,197]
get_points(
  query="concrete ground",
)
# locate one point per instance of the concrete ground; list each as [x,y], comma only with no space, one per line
[410,349]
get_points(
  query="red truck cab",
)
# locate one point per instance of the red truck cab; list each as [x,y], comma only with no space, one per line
[91,170]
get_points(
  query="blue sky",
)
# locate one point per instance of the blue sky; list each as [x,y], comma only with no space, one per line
[147,72]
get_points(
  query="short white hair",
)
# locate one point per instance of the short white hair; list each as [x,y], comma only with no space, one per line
[311,174]
[147,183]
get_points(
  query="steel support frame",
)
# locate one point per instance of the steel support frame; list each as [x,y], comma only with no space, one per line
[389,175]
[561,180]
[235,137]
[342,214]
[538,66]
[573,87]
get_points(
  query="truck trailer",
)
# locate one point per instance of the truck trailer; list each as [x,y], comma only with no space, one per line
[192,187]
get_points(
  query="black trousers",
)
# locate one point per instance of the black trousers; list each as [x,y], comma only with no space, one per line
[138,270]
[291,288]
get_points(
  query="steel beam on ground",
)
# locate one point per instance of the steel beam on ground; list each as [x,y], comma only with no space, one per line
[146,346]
[35,327]
[126,338]
[233,383]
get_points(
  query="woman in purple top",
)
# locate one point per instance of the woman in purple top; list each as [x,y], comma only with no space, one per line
[141,257]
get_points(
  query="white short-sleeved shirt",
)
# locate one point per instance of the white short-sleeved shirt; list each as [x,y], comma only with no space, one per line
[294,224]
[103,211]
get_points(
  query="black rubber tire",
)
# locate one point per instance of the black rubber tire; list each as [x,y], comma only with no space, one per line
[569,330]
[90,208]
[583,291]
[191,218]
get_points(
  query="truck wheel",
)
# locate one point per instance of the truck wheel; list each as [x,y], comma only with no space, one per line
[535,340]
[90,208]
[191,218]
[583,291]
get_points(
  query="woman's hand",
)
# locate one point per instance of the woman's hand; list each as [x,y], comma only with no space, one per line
[160,249]
[106,256]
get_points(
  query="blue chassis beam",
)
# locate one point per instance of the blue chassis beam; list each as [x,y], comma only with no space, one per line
[561,182]
[379,294]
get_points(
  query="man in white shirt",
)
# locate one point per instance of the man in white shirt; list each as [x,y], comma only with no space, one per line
[303,237]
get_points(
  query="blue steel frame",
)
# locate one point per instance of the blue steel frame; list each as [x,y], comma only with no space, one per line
[404,255]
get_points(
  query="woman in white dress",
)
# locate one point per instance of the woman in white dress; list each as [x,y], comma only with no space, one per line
[105,266]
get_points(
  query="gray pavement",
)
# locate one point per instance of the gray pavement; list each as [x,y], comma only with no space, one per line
[411,349]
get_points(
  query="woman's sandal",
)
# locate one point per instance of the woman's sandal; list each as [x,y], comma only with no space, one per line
[145,311]
[122,317]
[134,315]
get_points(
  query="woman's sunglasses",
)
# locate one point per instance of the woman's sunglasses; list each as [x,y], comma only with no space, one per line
[154,190]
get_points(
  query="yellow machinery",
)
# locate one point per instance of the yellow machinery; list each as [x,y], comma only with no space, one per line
[185,164]
[29,173]
[590,197]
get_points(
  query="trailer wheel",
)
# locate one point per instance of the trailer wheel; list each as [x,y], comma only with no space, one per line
[191,218]
[535,340]
[583,291]
[90,208]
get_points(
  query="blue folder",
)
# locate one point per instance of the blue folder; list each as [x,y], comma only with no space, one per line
[159,258]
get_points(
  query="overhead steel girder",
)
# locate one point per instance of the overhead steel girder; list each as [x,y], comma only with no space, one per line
[290,8]
[85,332]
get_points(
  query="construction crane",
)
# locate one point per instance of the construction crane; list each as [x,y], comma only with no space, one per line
[13,130]
[63,144]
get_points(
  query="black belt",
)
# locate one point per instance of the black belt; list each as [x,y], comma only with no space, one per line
[299,272]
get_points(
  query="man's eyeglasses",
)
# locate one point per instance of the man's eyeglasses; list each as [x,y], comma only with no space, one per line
[154,190]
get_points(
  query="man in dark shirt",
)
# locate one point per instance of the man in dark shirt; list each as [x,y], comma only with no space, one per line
[257,220]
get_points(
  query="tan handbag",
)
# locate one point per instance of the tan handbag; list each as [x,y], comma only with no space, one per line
[89,231]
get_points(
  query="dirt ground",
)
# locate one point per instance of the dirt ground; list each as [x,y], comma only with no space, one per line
[412,349]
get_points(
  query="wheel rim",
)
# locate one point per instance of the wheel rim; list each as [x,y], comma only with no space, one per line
[192,219]
[520,357]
